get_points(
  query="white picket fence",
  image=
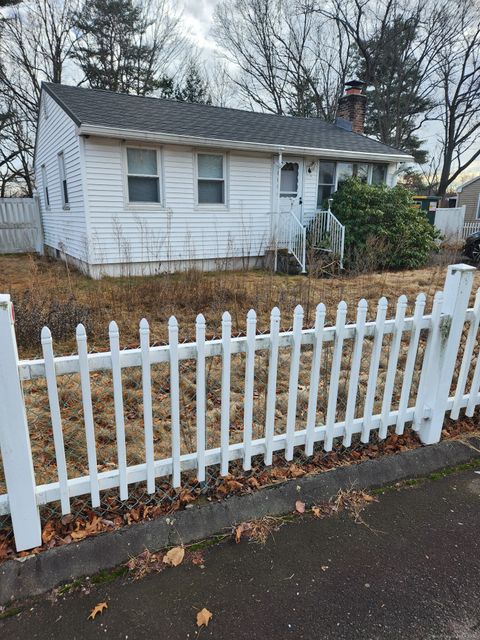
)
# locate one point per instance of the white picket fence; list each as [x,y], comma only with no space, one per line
[470,227]
[440,332]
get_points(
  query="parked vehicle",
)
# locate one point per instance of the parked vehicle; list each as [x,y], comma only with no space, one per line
[472,247]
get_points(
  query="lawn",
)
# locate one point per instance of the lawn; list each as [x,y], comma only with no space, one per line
[46,291]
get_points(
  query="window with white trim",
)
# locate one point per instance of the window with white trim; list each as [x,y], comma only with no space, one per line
[478,208]
[46,195]
[63,180]
[326,182]
[211,178]
[142,175]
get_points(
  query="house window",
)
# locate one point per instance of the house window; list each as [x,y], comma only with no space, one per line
[46,195]
[289,180]
[211,178]
[344,171]
[63,180]
[143,180]
[379,174]
[477,215]
[326,183]
[361,171]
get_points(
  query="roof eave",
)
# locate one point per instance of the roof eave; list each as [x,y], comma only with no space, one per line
[169,138]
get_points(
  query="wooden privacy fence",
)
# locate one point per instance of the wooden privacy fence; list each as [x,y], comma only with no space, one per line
[20,225]
[425,372]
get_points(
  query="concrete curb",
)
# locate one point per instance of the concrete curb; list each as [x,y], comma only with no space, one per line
[38,574]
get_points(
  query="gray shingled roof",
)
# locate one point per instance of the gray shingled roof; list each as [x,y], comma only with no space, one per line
[157,115]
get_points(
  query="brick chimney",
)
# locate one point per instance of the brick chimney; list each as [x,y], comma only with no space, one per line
[351,105]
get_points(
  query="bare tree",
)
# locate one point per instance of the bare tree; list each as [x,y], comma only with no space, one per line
[287,58]
[246,30]
[318,52]
[457,79]
[35,46]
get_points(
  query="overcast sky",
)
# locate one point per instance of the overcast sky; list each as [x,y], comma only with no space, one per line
[198,16]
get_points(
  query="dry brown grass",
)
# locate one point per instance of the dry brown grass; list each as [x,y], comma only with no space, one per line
[157,297]
[184,295]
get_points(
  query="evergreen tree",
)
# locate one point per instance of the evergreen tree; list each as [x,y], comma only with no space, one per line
[114,51]
[396,95]
[195,87]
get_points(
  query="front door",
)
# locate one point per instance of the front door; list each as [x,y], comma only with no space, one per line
[291,191]
[291,185]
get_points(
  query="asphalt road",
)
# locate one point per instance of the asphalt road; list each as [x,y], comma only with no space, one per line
[412,572]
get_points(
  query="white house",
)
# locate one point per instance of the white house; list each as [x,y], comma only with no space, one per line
[147,184]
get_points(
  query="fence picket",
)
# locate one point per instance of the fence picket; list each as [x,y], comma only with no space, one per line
[467,358]
[88,414]
[200,396]
[355,371]
[147,404]
[249,379]
[52,390]
[314,378]
[271,385]
[174,400]
[114,338]
[392,365]
[293,381]
[373,370]
[335,375]
[225,407]
[430,349]
[410,363]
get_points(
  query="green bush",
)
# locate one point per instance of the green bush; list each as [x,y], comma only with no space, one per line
[387,217]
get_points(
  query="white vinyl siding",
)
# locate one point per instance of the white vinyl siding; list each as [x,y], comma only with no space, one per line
[63,229]
[179,229]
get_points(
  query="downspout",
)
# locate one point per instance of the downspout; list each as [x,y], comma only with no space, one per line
[277,207]
[277,213]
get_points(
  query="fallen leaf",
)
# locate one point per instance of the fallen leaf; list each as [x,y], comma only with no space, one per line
[295,471]
[317,512]
[234,485]
[203,617]
[299,506]
[368,498]
[98,608]
[174,557]
[244,526]
[48,532]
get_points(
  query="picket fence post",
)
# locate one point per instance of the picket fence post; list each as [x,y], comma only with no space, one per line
[15,439]
[437,373]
